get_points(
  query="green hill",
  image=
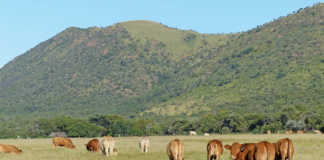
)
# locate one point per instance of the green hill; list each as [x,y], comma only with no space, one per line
[149,68]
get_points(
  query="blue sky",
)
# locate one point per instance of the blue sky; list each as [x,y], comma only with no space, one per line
[25,23]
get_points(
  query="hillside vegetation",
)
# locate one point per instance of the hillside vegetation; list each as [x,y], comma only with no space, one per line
[148,69]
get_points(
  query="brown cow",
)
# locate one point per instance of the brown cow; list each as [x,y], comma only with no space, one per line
[4,148]
[175,150]
[265,151]
[242,151]
[300,132]
[214,149]
[93,145]
[284,149]
[107,145]
[63,142]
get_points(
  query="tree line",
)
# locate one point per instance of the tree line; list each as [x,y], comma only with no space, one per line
[222,122]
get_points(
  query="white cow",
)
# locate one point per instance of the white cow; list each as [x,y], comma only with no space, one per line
[107,145]
[192,133]
[144,144]
[206,134]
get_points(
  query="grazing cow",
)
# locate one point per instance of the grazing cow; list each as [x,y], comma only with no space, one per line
[300,132]
[214,150]
[175,150]
[289,132]
[63,142]
[284,149]
[192,133]
[265,151]
[144,144]
[4,148]
[206,134]
[93,145]
[107,145]
[242,151]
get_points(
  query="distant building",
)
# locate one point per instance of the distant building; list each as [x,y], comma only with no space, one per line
[58,134]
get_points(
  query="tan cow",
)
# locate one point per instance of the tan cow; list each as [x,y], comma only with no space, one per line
[242,151]
[93,145]
[300,132]
[289,132]
[4,148]
[63,142]
[214,150]
[284,149]
[144,144]
[268,132]
[317,131]
[265,151]
[107,145]
[175,150]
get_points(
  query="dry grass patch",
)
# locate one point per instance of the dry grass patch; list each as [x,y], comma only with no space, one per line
[308,146]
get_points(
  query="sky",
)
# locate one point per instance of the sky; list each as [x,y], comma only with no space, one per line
[26,23]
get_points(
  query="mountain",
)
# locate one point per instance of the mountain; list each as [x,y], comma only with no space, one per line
[147,68]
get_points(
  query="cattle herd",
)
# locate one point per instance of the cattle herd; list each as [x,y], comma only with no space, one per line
[283,149]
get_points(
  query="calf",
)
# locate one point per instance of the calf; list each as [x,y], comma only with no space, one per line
[214,150]
[4,148]
[175,150]
[63,142]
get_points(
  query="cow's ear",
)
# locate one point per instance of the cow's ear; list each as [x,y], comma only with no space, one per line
[228,147]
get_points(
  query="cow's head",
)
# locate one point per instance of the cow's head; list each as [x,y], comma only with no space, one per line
[235,149]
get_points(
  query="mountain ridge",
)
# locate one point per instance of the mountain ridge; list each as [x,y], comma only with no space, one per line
[159,70]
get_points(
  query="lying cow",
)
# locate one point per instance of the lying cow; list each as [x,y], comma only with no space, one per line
[242,151]
[284,149]
[175,150]
[144,144]
[107,145]
[4,148]
[214,150]
[93,145]
[63,142]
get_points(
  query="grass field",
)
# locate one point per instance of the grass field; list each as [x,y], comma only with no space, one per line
[307,147]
